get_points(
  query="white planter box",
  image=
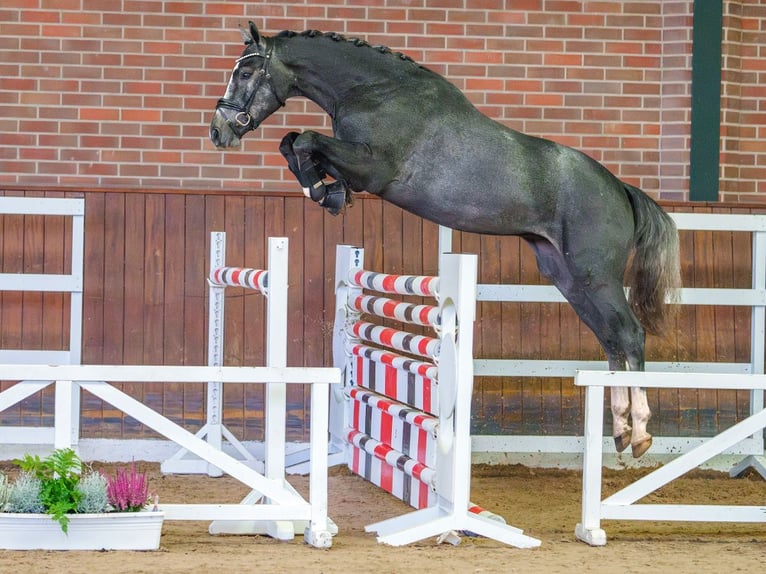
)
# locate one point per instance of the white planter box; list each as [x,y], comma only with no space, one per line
[108,531]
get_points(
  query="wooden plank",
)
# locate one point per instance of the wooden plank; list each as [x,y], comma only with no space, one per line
[94,336]
[551,337]
[488,394]
[531,346]
[255,314]
[374,231]
[393,243]
[309,283]
[723,261]
[510,335]
[234,327]
[32,305]
[430,248]
[55,327]
[195,250]
[55,330]
[93,288]
[134,328]
[154,301]
[173,317]
[351,222]
[114,300]
[305,222]
[704,275]
[334,234]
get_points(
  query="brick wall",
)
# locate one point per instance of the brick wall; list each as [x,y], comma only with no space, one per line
[119,93]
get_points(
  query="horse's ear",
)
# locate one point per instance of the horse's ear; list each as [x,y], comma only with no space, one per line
[250,36]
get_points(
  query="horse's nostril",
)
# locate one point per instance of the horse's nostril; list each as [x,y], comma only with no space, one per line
[215,136]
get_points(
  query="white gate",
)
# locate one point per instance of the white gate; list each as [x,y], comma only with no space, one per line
[71,283]
[621,505]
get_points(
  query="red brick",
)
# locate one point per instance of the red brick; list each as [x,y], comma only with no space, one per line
[184,7]
[544,100]
[128,115]
[563,6]
[40,16]
[562,59]
[62,31]
[99,114]
[231,8]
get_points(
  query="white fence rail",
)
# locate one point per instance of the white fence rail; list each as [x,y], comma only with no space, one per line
[622,505]
[71,283]
[755,298]
[279,501]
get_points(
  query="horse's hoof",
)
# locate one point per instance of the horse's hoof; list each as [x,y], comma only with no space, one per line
[622,441]
[335,198]
[318,191]
[641,447]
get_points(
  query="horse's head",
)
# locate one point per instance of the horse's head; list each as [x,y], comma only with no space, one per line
[252,93]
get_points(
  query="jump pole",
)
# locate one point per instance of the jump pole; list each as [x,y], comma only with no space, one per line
[451,511]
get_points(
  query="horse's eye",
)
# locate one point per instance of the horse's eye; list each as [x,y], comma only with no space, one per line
[245,75]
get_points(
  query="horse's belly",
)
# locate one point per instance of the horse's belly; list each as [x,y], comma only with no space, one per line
[465,211]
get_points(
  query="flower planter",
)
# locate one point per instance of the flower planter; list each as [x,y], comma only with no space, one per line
[108,531]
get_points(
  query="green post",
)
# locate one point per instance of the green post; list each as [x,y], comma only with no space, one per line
[706,100]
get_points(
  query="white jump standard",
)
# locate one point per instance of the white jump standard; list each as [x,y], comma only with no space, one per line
[281,512]
[404,422]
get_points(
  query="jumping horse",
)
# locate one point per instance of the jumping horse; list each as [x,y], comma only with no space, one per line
[404,133]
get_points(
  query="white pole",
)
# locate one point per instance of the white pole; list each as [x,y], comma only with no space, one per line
[276,356]
[589,530]
[216,302]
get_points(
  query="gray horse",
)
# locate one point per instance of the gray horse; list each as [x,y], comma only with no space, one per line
[406,134]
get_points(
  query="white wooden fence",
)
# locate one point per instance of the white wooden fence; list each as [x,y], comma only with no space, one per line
[622,505]
[279,502]
[71,283]
[754,297]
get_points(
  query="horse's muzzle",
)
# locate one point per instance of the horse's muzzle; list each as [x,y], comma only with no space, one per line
[215,136]
[221,133]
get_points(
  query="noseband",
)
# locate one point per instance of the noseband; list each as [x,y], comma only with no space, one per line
[243,117]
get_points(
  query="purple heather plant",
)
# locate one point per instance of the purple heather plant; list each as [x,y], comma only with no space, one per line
[128,491]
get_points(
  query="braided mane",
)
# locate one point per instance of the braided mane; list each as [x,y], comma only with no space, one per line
[334,36]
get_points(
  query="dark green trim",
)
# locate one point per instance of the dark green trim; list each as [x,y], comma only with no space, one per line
[706,100]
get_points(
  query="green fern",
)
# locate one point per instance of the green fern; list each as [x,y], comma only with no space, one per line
[59,476]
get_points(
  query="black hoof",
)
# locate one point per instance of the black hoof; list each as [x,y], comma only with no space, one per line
[335,198]
[318,191]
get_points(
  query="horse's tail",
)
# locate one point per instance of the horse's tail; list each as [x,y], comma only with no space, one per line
[654,273]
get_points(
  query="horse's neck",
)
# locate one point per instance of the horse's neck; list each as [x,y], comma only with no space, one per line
[325,74]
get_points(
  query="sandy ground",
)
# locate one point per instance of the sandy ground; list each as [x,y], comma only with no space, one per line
[545,503]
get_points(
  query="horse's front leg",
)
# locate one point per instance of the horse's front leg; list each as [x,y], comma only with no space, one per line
[311,156]
[311,176]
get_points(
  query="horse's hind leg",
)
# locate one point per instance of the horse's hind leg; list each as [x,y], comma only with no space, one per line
[621,429]
[640,439]
[599,300]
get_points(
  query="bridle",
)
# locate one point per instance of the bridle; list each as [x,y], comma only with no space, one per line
[243,117]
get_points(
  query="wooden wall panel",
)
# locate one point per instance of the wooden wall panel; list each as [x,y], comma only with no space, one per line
[147,258]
